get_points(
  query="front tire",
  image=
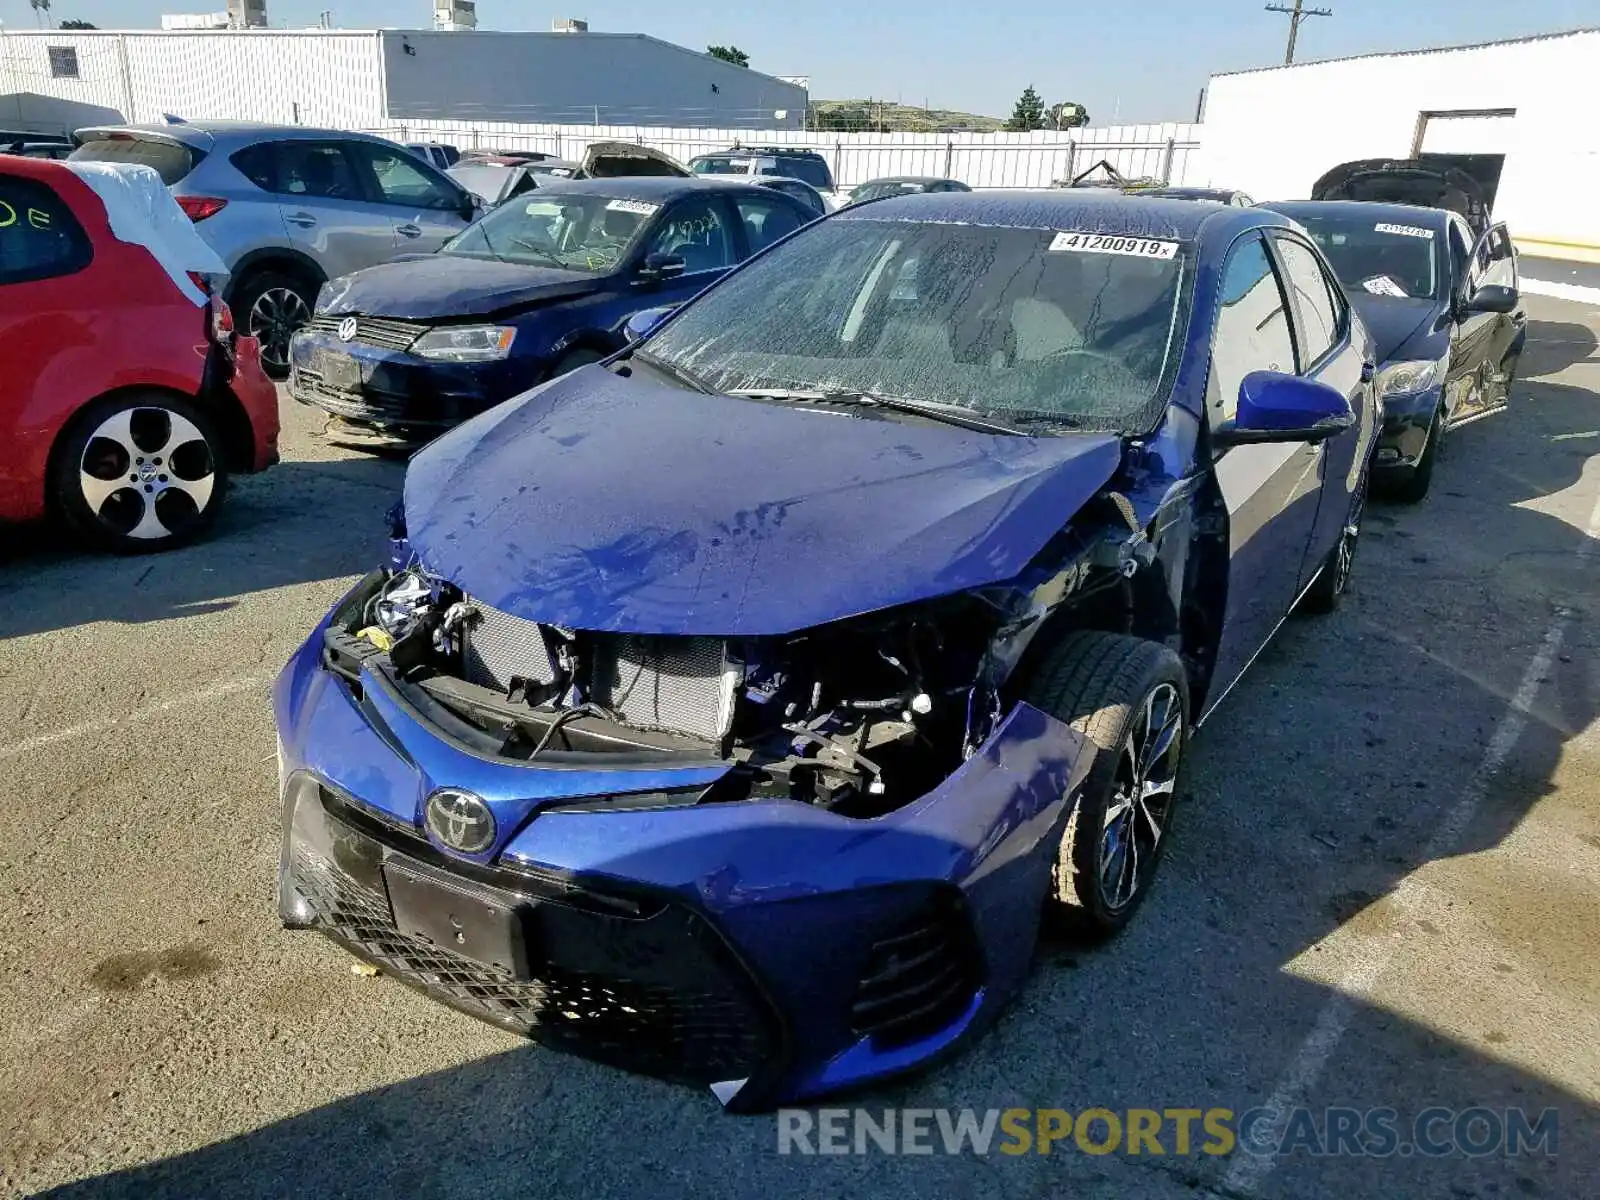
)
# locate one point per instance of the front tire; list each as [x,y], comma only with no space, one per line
[272,305]
[581,357]
[140,472]
[1130,698]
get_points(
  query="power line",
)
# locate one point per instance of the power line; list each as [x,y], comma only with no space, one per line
[1296,14]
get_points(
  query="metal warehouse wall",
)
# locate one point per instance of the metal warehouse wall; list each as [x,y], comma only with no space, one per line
[1273,132]
[978,159]
[598,78]
[313,78]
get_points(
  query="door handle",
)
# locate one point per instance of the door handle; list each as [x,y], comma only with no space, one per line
[303,219]
[409,231]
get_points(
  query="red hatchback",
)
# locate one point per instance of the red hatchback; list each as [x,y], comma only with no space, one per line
[126,397]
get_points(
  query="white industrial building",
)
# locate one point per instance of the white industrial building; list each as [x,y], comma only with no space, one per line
[1273,132]
[382,78]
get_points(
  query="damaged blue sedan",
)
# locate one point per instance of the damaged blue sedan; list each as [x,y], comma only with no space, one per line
[734,710]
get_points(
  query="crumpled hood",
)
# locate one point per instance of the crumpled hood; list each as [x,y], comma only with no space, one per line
[607,503]
[450,285]
[1394,320]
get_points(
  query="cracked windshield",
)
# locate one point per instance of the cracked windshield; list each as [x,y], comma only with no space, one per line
[1035,327]
[575,232]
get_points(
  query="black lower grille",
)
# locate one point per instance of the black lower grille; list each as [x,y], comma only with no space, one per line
[367,405]
[659,992]
[920,978]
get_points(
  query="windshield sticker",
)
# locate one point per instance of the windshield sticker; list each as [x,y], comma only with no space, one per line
[1383,285]
[643,207]
[1403,230]
[1106,243]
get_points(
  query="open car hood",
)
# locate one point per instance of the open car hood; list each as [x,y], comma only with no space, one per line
[1429,183]
[612,160]
[621,504]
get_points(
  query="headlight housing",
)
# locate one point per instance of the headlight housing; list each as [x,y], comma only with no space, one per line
[1414,375]
[465,343]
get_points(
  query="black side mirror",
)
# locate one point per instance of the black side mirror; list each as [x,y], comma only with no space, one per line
[1493,298]
[658,266]
[469,207]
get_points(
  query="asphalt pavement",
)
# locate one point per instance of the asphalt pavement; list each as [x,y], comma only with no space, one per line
[1382,893]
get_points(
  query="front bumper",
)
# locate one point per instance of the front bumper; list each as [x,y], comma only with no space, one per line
[409,398]
[769,949]
[1404,436]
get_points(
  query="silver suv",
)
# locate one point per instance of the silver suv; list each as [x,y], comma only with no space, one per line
[289,208]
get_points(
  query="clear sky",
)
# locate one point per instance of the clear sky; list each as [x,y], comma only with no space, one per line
[1139,60]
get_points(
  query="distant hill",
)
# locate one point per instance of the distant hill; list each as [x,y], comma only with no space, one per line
[852,115]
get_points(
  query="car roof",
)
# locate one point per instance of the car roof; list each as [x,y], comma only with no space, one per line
[792,151]
[1088,210]
[659,189]
[908,179]
[1408,214]
[206,134]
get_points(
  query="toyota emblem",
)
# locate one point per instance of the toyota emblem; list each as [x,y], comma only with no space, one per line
[460,821]
[347,329]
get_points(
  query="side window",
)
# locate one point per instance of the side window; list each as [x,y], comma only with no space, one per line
[39,236]
[316,170]
[403,180]
[697,231]
[1319,312]
[1252,332]
[259,164]
[765,221]
[1501,265]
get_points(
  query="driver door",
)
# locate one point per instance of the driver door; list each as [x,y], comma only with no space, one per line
[700,231]
[424,209]
[1270,491]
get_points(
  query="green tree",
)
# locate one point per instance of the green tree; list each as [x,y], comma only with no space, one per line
[73,23]
[1067,116]
[1029,112]
[729,54]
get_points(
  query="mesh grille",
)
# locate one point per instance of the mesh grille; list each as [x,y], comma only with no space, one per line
[672,684]
[692,1016]
[374,331]
[500,646]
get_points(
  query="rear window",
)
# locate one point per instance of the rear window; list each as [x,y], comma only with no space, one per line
[39,236]
[812,170]
[171,160]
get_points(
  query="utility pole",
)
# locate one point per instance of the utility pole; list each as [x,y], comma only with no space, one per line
[1296,14]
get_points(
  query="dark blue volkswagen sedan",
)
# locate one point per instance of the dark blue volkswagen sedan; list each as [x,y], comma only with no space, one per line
[735,709]
[536,287]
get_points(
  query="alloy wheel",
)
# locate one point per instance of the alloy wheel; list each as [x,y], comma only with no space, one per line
[273,319]
[1345,555]
[147,473]
[1141,801]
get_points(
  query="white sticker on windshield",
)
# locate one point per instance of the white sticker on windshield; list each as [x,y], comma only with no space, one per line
[1110,243]
[1403,230]
[1383,285]
[643,207]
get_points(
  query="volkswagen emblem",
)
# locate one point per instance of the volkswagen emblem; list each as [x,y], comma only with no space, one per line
[460,821]
[347,329]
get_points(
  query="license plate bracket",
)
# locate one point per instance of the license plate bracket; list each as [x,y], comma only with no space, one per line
[342,372]
[480,923]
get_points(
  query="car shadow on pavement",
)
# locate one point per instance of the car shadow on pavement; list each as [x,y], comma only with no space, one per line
[299,522]
[1279,952]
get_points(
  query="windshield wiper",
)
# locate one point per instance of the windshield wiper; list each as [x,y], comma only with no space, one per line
[540,250]
[948,414]
[671,370]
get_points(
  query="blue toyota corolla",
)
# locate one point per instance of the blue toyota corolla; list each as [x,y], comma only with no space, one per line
[734,709]
[539,286]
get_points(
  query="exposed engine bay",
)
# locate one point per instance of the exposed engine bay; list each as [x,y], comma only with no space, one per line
[861,716]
